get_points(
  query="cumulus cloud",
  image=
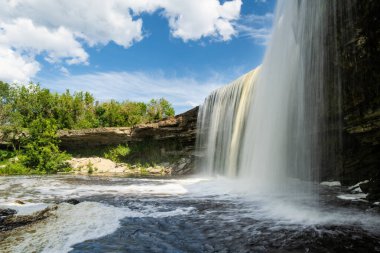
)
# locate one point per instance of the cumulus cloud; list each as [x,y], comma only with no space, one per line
[192,20]
[138,86]
[27,38]
[15,68]
[58,29]
[95,21]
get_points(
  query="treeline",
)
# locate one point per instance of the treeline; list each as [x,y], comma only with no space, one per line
[30,117]
[22,104]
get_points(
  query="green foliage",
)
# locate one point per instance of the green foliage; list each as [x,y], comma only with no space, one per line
[20,105]
[31,115]
[41,151]
[14,169]
[117,154]
[5,155]
[135,112]
[110,114]
[90,168]
[159,109]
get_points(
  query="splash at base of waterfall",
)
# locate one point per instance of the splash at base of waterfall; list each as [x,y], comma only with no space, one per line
[184,215]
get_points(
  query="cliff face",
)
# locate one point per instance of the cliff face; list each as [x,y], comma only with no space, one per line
[181,129]
[171,140]
[359,66]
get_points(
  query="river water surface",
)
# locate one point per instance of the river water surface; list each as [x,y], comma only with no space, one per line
[183,215]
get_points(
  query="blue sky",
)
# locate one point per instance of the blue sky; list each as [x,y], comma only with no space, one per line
[133,49]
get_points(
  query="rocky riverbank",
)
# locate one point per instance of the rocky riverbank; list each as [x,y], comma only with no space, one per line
[161,148]
[104,167]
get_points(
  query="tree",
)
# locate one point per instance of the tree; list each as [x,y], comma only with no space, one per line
[111,115]
[167,108]
[41,150]
[4,106]
[159,109]
[135,112]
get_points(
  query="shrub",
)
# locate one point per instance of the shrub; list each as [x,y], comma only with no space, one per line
[5,155]
[90,168]
[41,151]
[14,169]
[117,154]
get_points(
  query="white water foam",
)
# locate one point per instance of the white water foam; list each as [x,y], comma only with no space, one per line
[69,225]
[298,209]
[89,220]
[72,224]
[38,189]
[331,183]
[25,209]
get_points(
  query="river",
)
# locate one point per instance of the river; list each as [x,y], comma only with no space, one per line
[193,214]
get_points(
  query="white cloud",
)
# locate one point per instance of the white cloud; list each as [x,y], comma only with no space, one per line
[14,68]
[192,20]
[58,29]
[58,44]
[95,21]
[137,86]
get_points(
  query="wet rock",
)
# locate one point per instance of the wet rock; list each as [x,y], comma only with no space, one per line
[7,212]
[72,201]
[364,187]
[356,188]
[14,221]
[374,190]
[184,166]
[20,202]
[181,166]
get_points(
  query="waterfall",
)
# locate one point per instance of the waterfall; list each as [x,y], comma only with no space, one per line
[221,121]
[271,124]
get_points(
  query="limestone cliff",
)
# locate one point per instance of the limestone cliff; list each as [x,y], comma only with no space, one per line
[358,62]
[181,129]
[171,140]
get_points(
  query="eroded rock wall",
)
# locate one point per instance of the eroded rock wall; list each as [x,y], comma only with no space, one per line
[171,140]
[358,65]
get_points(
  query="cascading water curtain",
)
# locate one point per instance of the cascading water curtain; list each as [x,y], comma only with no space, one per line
[221,124]
[290,126]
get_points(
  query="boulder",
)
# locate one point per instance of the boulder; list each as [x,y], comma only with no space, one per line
[14,221]
[364,187]
[7,212]
[72,201]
